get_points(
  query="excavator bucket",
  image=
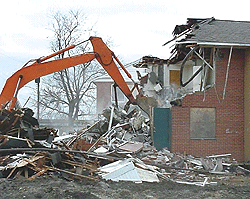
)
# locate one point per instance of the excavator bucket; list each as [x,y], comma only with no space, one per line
[146,103]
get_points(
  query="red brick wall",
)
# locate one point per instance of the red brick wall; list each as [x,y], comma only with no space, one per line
[229,113]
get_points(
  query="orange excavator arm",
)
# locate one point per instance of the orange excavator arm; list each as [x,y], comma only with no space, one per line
[41,68]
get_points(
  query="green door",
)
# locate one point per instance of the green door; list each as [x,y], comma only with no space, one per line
[162,127]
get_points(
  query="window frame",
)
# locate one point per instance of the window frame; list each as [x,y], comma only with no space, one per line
[209,126]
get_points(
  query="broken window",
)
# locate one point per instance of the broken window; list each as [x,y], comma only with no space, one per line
[202,123]
[207,75]
[120,95]
[200,75]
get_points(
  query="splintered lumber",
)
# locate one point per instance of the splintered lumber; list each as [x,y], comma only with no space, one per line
[30,143]
[219,156]
[98,140]
[3,139]
[26,174]
[80,134]
[103,136]
[38,174]
[18,174]
[12,171]
[90,154]
[92,168]
[71,173]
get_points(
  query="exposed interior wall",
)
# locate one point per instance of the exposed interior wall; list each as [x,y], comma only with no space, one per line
[103,99]
[163,82]
[246,106]
[187,72]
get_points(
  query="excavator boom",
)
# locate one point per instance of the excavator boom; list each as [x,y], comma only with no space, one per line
[41,68]
[29,73]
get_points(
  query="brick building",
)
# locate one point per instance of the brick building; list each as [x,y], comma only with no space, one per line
[206,86]
[213,120]
[105,90]
[223,127]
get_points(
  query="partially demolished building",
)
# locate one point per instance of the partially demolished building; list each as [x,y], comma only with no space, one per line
[205,85]
[200,122]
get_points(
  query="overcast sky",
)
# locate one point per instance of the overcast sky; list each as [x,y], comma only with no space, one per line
[137,27]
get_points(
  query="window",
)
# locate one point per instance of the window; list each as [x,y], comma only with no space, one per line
[202,123]
[120,95]
[207,76]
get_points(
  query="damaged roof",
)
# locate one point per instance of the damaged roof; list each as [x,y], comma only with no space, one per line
[215,32]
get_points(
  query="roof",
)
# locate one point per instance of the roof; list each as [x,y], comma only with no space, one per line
[214,32]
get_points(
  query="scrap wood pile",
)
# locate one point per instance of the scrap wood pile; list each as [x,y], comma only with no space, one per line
[117,147]
[20,123]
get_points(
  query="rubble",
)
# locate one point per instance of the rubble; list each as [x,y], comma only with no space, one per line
[117,147]
[20,123]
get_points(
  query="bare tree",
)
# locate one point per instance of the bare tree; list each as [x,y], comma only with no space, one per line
[70,93]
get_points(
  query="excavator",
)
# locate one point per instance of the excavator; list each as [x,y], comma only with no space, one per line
[41,67]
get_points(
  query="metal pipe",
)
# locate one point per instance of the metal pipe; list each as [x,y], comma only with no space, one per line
[203,60]
[228,64]
[38,96]
[56,53]
[111,118]
[18,83]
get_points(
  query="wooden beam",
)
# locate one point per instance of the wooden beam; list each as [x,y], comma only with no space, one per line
[38,174]
[71,173]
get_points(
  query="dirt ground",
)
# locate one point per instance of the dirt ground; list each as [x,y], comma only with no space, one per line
[56,187]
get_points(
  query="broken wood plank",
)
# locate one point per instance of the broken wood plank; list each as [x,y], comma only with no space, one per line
[38,174]
[197,183]
[132,147]
[65,145]
[98,140]
[18,174]
[80,134]
[30,143]
[92,168]
[105,157]
[32,160]
[219,156]
[26,174]
[12,171]
[71,173]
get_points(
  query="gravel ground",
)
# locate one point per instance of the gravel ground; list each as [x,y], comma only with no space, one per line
[56,187]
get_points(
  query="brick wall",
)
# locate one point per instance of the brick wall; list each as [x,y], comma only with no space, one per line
[229,113]
[246,106]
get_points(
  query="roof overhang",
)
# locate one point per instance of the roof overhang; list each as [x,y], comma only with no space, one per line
[213,44]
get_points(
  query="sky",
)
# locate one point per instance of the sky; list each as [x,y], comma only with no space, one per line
[137,28]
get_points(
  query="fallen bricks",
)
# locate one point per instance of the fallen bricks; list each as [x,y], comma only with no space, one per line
[116,147]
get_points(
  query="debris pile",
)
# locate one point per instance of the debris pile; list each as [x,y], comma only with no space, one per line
[116,147]
[20,123]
